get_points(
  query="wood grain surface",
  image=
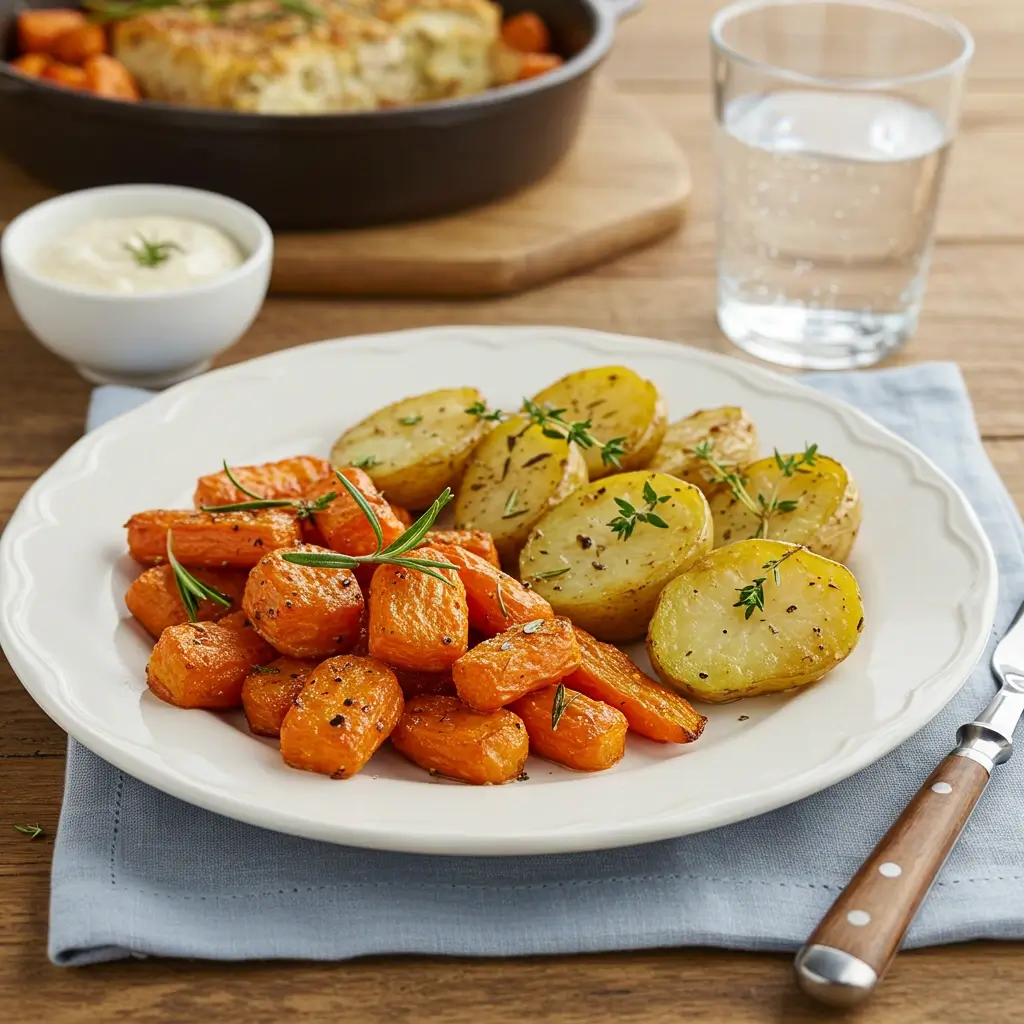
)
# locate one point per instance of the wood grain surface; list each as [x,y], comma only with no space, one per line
[625,183]
[973,314]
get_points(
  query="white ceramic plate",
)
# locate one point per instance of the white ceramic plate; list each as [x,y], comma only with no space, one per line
[926,571]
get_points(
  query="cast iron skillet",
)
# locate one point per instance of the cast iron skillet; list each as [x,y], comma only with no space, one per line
[321,171]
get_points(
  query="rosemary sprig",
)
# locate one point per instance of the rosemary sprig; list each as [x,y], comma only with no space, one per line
[410,421]
[105,11]
[394,553]
[32,831]
[625,523]
[551,574]
[752,595]
[501,602]
[151,254]
[266,670]
[553,423]
[305,509]
[559,705]
[365,462]
[190,590]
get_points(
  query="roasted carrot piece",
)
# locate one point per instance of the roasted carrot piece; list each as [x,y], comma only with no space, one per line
[110,78]
[346,710]
[154,600]
[67,75]
[590,736]
[287,478]
[480,542]
[32,64]
[204,664]
[652,710]
[342,522]
[424,684]
[417,622]
[512,664]
[38,31]
[403,515]
[496,600]
[534,64]
[442,735]
[78,44]
[526,32]
[212,540]
[270,690]
[303,611]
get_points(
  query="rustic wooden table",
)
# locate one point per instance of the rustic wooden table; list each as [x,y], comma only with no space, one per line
[973,315]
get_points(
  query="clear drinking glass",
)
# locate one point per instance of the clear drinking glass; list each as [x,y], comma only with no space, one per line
[834,120]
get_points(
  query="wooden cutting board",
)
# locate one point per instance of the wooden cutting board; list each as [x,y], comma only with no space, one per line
[624,184]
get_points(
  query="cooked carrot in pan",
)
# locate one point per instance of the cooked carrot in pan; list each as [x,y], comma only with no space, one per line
[526,32]
[287,478]
[269,692]
[444,736]
[204,664]
[154,599]
[346,710]
[212,540]
[303,611]
[571,729]
[32,64]
[534,64]
[480,542]
[342,522]
[496,600]
[511,664]
[652,710]
[66,74]
[38,31]
[110,78]
[78,44]
[418,622]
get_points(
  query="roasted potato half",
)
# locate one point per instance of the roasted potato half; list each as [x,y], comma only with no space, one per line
[415,448]
[606,582]
[826,517]
[713,640]
[730,432]
[619,403]
[515,475]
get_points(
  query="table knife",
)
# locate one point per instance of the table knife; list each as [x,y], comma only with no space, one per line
[855,943]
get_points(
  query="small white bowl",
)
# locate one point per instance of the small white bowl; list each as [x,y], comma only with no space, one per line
[152,339]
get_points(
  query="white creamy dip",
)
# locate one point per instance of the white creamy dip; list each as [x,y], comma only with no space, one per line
[129,255]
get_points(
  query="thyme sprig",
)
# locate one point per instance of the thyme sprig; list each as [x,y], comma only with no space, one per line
[151,254]
[625,523]
[553,423]
[191,590]
[394,553]
[761,507]
[32,831]
[305,509]
[559,705]
[752,595]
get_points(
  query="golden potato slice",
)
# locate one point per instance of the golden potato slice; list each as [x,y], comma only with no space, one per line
[414,449]
[826,517]
[619,403]
[606,582]
[728,429]
[703,642]
[515,475]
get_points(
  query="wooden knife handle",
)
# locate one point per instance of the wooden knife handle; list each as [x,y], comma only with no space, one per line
[855,943]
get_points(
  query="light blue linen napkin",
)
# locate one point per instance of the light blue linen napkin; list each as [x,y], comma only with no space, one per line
[136,872]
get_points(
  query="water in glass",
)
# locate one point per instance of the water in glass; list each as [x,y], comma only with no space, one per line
[826,222]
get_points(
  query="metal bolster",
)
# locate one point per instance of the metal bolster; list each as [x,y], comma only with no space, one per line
[982,744]
[833,976]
